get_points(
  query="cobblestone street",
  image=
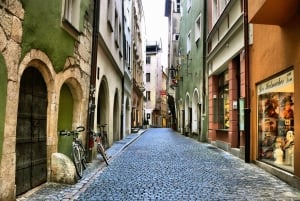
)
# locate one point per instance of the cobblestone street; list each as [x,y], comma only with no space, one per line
[164,165]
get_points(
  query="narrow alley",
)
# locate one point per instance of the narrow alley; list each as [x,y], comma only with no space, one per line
[164,165]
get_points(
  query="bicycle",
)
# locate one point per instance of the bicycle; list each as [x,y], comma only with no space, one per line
[100,148]
[103,134]
[78,151]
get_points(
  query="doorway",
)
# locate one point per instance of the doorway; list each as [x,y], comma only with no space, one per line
[31,153]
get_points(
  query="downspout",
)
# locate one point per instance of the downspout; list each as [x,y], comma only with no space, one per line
[92,106]
[202,135]
[247,109]
[123,80]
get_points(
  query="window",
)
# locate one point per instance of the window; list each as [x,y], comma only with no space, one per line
[110,14]
[148,59]
[116,29]
[188,43]
[176,37]
[148,96]
[72,12]
[223,105]
[218,7]
[147,77]
[275,120]
[189,5]
[177,6]
[120,40]
[198,28]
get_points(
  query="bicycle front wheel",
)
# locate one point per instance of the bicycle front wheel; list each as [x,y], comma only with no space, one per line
[77,161]
[101,151]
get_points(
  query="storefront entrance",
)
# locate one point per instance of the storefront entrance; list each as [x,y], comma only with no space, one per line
[31,154]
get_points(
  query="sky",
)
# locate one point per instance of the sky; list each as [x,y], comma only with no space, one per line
[157,25]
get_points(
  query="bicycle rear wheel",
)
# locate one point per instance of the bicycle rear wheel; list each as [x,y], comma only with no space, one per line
[101,151]
[77,161]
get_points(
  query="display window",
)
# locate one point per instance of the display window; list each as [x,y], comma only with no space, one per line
[223,109]
[276,121]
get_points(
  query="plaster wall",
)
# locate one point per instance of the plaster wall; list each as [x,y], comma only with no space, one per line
[114,82]
[275,49]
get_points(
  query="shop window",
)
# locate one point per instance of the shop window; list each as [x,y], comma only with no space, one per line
[276,121]
[223,101]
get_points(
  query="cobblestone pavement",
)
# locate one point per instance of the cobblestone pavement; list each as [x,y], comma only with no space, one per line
[163,165]
[57,192]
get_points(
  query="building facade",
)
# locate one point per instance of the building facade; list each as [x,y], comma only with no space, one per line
[127,80]
[138,60]
[110,69]
[155,85]
[172,11]
[44,88]
[191,74]
[274,64]
[226,75]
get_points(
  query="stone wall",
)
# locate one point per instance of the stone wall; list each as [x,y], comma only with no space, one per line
[76,75]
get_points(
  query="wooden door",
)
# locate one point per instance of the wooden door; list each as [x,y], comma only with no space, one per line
[31,153]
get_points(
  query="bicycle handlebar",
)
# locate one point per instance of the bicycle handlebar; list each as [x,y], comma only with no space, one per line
[80,128]
[66,132]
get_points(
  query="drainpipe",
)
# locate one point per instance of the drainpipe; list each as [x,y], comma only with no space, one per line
[204,78]
[123,78]
[92,106]
[247,109]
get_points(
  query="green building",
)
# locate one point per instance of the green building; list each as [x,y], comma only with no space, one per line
[191,93]
[45,61]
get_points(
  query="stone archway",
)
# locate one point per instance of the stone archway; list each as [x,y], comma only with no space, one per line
[116,118]
[103,106]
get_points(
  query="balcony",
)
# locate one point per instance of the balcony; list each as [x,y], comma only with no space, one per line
[272,12]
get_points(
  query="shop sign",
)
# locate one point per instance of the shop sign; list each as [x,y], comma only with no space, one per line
[284,82]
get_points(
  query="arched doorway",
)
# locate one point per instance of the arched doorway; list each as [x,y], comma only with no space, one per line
[116,112]
[195,112]
[31,136]
[188,115]
[127,119]
[65,119]
[103,106]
